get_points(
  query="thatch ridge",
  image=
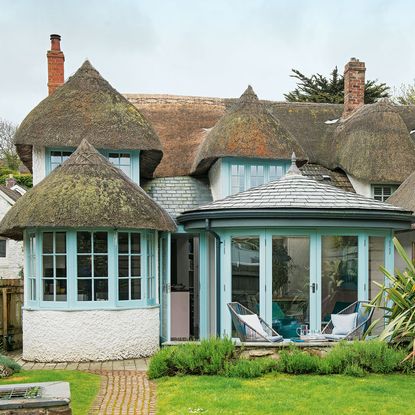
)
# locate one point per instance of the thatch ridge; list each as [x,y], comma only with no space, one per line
[86,191]
[405,194]
[374,145]
[247,129]
[88,107]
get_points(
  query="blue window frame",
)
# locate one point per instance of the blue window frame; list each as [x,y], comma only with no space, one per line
[54,267]
[128,161]
[83,269]
[239,175]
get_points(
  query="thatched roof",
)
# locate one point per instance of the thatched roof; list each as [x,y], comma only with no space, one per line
[85,191]
[88,107]
[374,145]
[249,130]
[405,194]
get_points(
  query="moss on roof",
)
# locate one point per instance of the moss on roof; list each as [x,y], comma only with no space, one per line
[86,191]
[88,107]
[374,145]
[248,129]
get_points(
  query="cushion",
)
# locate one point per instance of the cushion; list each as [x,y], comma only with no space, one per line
[343,324]
[253,321]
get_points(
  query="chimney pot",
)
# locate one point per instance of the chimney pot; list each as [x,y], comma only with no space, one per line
[56,60]
[354,86]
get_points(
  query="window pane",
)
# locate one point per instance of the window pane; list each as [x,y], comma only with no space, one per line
[339,274]
[113,158]
[125,159]
[2,248]
[100,266]
[84,290]
[135,266]
[66,155]
[123,242]
[60,290]
[245,272]
[48,242]
[47,266]
[135,243]
[376,260]
[101,290]
[60,241]
[84,266]
[83,242]
[100,242]
[123,266]
[32,289]
[60,266]
[123,289]
[48,290]
[290,284]
[126,170]
[55,157]
[136,288]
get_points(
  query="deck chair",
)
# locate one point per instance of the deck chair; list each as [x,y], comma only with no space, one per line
[250,327]
[363,320]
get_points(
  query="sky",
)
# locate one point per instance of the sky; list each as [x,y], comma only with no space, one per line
[204,48]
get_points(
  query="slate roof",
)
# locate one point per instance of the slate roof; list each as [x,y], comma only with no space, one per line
[294,191]
[323,174]
[13,194]
[178,194]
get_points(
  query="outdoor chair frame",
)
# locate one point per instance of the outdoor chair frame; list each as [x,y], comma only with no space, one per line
[363,321]
[247,333]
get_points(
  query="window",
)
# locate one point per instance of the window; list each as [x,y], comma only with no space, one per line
[129,266]
[54,275]
[122,161]
[247,175]
[3,243]
[151,268]
[382,192]
[92,266]
[31,271]
[237,178]
[57,157]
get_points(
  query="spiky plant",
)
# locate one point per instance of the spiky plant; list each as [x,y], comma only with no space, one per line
[397,298]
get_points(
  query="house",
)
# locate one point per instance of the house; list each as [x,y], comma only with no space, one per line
[150,213]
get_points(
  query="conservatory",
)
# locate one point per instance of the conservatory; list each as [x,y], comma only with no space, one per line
[293,250]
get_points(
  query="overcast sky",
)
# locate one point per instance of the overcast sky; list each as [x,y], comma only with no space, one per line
[194,47]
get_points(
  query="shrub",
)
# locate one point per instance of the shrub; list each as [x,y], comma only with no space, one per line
[296,361]
[207,358]
[8,366]
[244,368]
[354,370]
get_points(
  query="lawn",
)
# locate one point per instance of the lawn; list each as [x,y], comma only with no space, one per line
[84,386]
[287,394]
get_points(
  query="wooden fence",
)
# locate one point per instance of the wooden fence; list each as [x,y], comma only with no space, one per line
[11,296]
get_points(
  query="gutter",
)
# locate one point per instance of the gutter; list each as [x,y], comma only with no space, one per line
[218,266]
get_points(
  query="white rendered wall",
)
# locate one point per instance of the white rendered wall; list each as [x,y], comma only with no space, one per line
[39,164]
[10,266]
[71,336]
[215,180]
[362,188]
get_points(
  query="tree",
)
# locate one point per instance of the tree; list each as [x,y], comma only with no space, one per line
[8,152]
[318,88]
[405,95]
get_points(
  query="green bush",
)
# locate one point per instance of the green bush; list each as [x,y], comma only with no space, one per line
[22,179]
[8,366]
[207,358]
[354,370]
[296,361]
[244,368]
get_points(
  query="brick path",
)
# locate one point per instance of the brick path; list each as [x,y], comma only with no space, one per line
[125,388]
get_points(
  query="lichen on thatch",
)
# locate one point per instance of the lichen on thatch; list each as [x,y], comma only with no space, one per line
[249,130]
[374,145]
[86,191]
[88,107]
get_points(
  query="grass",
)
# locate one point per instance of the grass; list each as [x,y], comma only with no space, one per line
[287,394]
[84,386]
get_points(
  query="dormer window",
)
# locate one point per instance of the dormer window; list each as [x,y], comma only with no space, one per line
[382,192]
[57,157]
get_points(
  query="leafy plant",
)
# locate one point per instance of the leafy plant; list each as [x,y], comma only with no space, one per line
[397,299]
[244,368]
[9,363]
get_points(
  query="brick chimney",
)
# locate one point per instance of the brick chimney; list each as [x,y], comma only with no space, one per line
[354,86]
[10,181]
[56,61]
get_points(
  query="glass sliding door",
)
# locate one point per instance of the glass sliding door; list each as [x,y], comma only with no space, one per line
[339,274]
[290,283]
[245,271]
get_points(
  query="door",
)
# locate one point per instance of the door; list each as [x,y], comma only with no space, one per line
[164,258]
